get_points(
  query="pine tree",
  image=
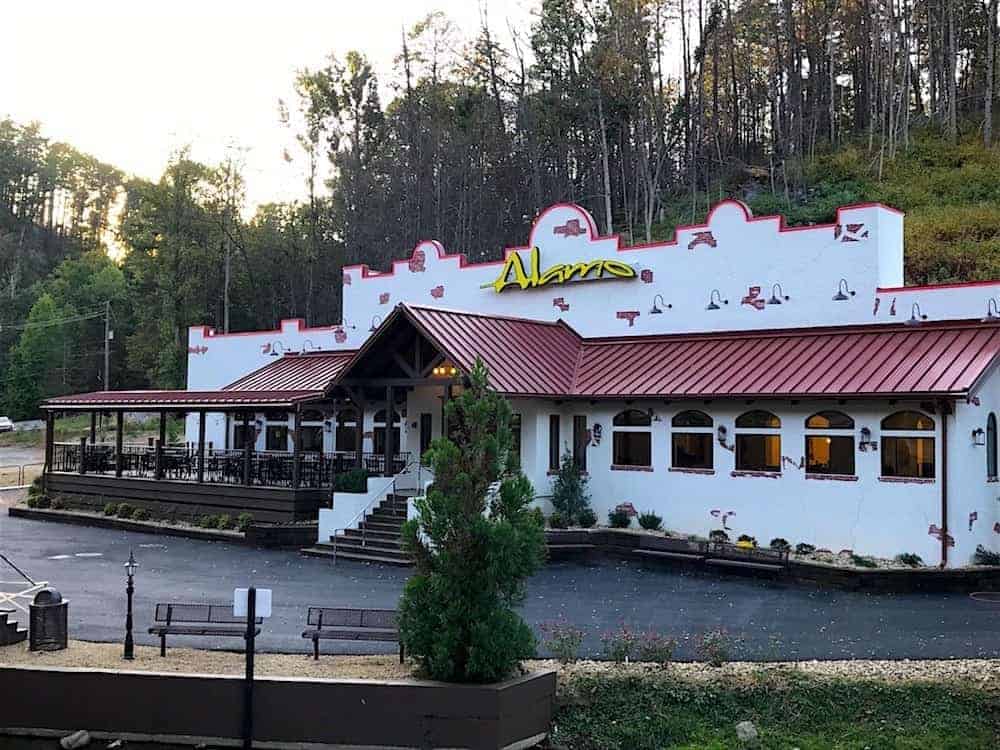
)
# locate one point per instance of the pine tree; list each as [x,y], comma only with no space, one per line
[475,541]
[569,490]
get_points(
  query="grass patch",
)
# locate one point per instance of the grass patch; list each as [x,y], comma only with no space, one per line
[789,709]
[71,429]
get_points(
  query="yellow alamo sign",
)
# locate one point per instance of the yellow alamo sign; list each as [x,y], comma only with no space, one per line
[513,273]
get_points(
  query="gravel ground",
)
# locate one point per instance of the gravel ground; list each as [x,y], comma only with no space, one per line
[981,674]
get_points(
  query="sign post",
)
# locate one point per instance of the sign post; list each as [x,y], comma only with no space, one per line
[245,605]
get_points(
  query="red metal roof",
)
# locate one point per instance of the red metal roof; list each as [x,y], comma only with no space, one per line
[150,400]
[538,358]
[295,372]
[523,356]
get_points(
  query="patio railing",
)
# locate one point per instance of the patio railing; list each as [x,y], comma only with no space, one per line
[220,466]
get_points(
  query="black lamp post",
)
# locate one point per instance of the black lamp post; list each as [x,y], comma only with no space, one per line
[130,567]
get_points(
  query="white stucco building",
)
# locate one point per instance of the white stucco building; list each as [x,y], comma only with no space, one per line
[774,381]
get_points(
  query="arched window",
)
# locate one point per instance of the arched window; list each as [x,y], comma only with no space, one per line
[758,418]
[905,451]
[758,442]
[991,446]
[832,451]
[908,420]
[691,440]
[347,428]
[378,431]
[632,441]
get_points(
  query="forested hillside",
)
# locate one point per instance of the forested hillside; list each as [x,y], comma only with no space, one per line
[644,111]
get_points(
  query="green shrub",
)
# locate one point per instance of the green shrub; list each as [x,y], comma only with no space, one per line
[587,518]
[354,480]
[619,519]
[556,521]
[563,640]
[110,509]
[37,486]
[474,524]
[207,522]
[32,501]
[140,514]
[57,504]
[618,644]
[714,646]
[657,648]
[124,510]
[718,535]
[804,549]
[569,490]
[863,562]
[244,521]
[910,559]
[223,522]
[650,521]
[983,556]
[779,544]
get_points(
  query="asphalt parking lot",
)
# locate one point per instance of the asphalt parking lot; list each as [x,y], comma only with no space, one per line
[771,621]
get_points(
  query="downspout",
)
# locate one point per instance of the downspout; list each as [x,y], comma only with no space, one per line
[946,410]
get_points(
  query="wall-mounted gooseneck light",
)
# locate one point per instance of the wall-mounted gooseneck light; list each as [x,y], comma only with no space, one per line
[777,295]
[843,292]
[915,315]
[656,309]
[715,300]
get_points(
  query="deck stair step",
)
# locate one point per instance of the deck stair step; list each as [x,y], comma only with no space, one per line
[10,631]
[378,537]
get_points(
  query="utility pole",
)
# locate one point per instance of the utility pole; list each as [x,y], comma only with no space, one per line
[107,345]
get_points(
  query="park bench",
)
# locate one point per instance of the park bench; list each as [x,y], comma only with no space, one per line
[347,624]
[197,619]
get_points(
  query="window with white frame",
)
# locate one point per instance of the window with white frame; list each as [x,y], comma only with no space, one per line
[758,441]
[691,440]
[378,430]
[311,424]
[830,444]
[632,441]
[991,446]
[907,449]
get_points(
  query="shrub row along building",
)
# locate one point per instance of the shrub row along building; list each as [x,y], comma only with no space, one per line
[774,381]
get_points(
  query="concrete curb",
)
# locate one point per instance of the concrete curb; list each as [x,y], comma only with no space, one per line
[78,518]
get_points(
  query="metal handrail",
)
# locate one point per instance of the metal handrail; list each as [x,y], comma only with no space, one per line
[376,497]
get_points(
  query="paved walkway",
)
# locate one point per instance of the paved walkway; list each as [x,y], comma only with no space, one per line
[772,620]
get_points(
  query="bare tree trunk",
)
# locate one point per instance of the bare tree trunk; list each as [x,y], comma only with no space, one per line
[991,32]
[950,70]
[608,222]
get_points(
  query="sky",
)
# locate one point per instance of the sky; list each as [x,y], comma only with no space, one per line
[131,82]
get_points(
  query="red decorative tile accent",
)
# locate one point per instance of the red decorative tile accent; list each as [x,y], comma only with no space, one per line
[197,349]
[417,260]
[878,301]
[339,335]
[907,480]
[683,470]
[702,238]
[438,291]
[850,232]
[628,508]
[973,517]
[753,298]
[629,315]
[834,477]
[996,527]
[347,279]
[561,303]
[724,515]
[571,228]
[764,474]
[646,275]
[383,298]
[936,532]
[622,467]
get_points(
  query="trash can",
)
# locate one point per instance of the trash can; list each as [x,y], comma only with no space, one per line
[47,621]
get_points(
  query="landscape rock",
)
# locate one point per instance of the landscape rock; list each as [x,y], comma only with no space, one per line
[80,738]
[746,733]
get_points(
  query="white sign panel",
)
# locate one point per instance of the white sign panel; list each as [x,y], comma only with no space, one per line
[263,602]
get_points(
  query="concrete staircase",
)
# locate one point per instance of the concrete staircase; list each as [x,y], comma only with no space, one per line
[376,540]
[10,631]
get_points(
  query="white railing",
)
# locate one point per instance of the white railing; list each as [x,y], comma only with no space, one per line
[379,494]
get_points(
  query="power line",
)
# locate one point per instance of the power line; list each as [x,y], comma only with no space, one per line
[29,326]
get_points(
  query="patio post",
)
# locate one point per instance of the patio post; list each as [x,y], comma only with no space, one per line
[296,448]
[247,445]
[389,448]
[83,455]
[93,427]
[50,431]
[119,439]
[201,447]
[359,433]
[158,459]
